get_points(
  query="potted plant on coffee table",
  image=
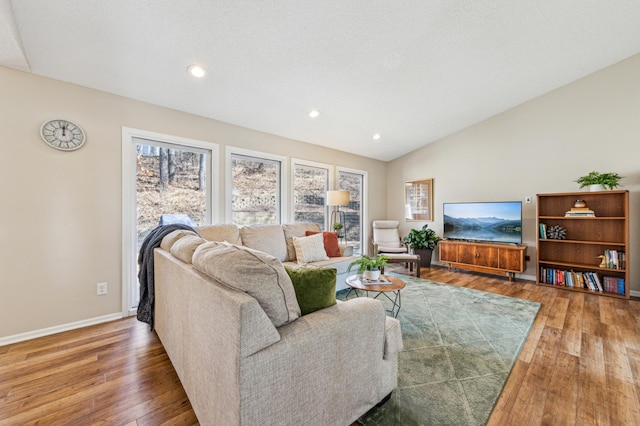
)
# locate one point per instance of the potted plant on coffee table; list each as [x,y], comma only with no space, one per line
[369,267]
[422,241]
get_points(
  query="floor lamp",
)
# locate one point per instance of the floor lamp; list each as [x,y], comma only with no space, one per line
[338,198]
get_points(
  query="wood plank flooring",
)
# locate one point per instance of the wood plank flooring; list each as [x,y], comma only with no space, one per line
[579,366]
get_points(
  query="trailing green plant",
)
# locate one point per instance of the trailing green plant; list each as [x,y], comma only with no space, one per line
[607,180]
[423,238]
[366,263]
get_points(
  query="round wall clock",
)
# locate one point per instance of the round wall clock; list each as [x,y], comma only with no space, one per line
[62,134]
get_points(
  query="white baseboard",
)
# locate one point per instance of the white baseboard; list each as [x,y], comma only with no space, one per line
[58,329]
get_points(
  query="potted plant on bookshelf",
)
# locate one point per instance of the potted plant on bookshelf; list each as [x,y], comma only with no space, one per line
[599,181]
[422,241]
[369,267]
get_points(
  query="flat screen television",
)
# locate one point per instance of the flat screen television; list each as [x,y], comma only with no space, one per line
[499,222]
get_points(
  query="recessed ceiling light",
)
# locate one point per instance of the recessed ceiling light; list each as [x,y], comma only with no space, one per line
[314,113]
[376,136]
[197,71]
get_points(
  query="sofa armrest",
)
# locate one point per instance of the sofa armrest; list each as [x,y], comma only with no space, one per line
[334,357]
[392,338]
[345,250]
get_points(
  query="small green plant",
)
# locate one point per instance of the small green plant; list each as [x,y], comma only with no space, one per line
[366,263]
[607,180]
[423,238]
[337,226]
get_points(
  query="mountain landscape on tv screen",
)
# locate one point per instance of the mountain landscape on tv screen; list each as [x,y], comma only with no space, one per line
[483,228]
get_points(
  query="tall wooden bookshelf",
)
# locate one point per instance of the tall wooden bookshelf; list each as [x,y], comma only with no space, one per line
[574,262]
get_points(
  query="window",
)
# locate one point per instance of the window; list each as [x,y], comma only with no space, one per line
[310,185]
[355,182]
[255,188]
[171,185]
[161,175]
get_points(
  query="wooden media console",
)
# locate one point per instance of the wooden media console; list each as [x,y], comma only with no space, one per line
[484,257]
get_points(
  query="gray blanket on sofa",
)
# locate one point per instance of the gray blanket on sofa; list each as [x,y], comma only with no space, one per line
[146,305]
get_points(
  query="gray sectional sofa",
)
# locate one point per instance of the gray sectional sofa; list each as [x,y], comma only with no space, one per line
[228,318]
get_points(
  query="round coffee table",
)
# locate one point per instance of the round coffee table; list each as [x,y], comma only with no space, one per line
[393,286]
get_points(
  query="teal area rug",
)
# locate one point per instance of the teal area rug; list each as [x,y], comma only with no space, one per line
[459,347]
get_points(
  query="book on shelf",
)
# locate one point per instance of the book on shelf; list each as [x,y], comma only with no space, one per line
[580,212]
[613,285]
[585,280]
[615,259]
[543,231]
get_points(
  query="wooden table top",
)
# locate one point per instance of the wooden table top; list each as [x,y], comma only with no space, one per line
[355,281]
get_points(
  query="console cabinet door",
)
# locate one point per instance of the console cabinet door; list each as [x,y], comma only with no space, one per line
[448,252]
[511,260]
[487,256]
[478,255]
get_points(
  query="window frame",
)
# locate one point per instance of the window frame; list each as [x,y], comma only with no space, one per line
[129,186]
[230,151]
[364,204]
[295,162]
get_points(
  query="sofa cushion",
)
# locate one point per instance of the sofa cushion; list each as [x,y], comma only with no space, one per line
[256,273]
[183,248]
[266,238]
[169,240]
[315,287]
[296,230]
[220,232]
[310,249]
[331,246]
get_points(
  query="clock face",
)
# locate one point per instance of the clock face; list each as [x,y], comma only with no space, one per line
[62,134]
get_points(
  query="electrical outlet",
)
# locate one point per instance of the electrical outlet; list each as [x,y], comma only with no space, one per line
[527,199]
[101,289]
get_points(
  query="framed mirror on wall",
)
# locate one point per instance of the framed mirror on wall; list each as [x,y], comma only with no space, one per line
[418,200]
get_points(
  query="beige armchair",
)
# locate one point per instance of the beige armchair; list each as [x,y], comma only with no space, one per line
[387,241]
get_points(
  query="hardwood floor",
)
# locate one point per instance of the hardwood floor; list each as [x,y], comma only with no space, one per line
[110,374]
[579,366]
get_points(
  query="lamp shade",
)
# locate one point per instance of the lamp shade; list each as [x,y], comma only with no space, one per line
[338,198]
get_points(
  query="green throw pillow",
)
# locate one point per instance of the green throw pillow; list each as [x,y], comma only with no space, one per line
[315,287]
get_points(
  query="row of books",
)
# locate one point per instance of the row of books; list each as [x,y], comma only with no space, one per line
[613,285]
[615,259]
[586,280]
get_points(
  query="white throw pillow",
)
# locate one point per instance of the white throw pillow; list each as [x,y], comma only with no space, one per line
[310,249]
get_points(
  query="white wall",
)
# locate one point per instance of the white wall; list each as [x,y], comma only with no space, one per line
[60,214]
[541,146]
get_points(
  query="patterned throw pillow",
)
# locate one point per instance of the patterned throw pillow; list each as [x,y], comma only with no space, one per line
[310,249]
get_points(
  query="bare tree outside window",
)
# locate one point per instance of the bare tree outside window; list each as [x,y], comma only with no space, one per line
[169,181]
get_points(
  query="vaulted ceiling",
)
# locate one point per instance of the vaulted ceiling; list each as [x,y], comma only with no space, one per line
[411,71]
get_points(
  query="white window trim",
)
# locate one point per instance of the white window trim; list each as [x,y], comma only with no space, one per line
[284,180]
[364,203]
[129,215]
[332,179]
